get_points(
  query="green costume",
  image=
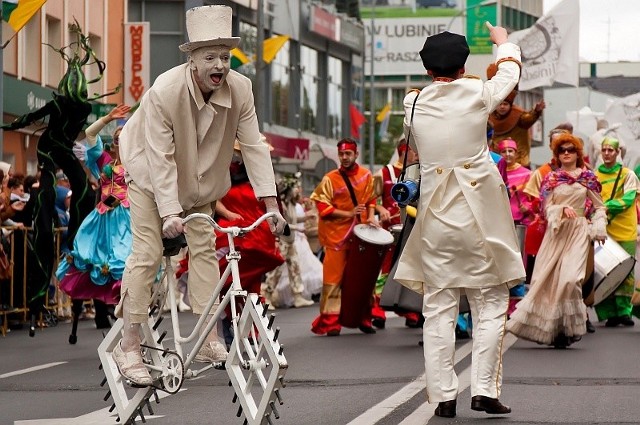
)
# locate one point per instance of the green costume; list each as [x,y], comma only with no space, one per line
[622,228]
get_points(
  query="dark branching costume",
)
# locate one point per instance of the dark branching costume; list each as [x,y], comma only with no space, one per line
[67,112]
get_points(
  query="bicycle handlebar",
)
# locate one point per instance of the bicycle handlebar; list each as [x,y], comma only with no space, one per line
[235,230]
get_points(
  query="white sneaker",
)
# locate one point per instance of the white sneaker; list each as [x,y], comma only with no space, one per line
[131,367]
[212,352]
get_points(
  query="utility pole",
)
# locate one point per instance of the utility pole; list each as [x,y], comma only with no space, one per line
[372,116]
[1,93]
[260,83]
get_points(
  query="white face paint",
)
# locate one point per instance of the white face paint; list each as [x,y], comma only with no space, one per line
[210,66]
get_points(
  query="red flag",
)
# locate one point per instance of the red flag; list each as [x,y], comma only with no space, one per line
[357,119]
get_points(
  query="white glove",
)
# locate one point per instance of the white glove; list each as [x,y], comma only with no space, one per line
[79,151]
[172,227]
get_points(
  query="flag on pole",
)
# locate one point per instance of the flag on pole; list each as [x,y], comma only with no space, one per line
[357,119]
[271,46]
[550,47]
[383,118]
[238,58]
[18,12]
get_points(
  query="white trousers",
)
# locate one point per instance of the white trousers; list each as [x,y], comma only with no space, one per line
[142,265]
[489,315]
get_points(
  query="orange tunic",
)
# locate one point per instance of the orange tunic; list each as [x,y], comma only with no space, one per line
[331,194]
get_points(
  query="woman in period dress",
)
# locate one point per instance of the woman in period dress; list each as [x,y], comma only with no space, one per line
[553,312]
[94,268]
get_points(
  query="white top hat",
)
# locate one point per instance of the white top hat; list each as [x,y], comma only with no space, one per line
[209,26]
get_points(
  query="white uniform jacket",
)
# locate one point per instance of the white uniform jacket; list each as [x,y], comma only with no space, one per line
[179,147]
[464,235]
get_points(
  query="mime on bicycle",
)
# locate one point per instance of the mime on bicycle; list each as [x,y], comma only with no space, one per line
[177,148]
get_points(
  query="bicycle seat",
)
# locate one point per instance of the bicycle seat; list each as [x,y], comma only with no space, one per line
[173,246]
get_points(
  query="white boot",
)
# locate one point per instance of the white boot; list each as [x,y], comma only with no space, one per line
[300,301]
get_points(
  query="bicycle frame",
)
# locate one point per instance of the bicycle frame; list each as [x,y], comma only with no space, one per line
[255,363]
[235,290]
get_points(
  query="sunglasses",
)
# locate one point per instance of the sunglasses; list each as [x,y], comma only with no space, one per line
[570,149]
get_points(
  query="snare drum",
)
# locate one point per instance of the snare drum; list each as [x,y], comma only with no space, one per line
[612,264]
[368,247]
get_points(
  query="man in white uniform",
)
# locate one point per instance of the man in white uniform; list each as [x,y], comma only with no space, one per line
[177,148]
[464,238]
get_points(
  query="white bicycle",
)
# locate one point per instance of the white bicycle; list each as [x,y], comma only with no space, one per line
[255,365]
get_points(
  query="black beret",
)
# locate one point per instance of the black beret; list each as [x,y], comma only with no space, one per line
[444,52]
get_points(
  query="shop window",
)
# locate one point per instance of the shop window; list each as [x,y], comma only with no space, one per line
[334,98]
[54,67]
[31,49]
[309,97]
[280,78]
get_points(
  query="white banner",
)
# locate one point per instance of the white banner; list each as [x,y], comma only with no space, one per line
[624,115]
[136,61]
[550,48]
[398,41]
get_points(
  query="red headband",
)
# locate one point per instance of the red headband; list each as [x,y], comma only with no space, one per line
[347,145]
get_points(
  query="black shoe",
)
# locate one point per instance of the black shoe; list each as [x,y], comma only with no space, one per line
[460,334]
[560,341]
[490,405]
[446,409]
[612,322]
[413,324]
[626,321]
[333,332]
[367,329]
[590,328]
[378,323]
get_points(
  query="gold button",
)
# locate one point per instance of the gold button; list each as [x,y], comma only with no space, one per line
[439,170]
[473,182]
[467,166]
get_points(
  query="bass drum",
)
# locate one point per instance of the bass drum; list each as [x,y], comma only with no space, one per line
[612,265]
[368,247]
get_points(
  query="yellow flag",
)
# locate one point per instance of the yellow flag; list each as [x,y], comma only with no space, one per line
[18,13]
[383,112]
[272,46]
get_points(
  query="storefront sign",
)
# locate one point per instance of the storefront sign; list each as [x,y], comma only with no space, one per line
[397,42]
[288,147]
[324,23]
[136,61]
[477,32]
[22,97]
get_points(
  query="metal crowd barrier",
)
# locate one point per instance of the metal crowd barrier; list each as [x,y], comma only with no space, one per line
[61,302]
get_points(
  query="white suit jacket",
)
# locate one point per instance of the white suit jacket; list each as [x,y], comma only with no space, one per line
[179,148]
[464,234]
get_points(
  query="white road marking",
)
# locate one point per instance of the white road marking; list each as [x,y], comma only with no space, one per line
[98,417]
[30,369]
[423,413]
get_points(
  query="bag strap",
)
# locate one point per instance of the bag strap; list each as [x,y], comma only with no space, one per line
[404,163]
[350,187]
[351,191]
[615,185]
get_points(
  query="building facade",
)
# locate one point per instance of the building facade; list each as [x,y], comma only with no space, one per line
[303,95]
[32,69]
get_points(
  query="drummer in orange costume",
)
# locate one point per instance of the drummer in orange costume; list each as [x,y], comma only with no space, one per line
[339,213]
